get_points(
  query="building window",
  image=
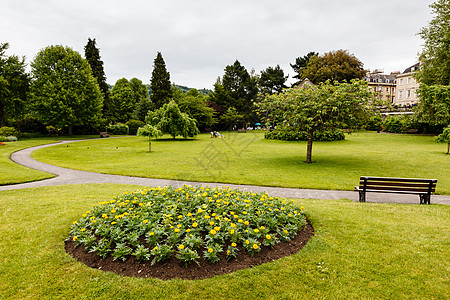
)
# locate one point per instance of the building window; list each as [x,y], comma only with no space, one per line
[409,80]
[387,90]
[400,94]
[408,94]
[401,80]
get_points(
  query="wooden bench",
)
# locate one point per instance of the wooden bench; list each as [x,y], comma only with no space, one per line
[242,130]
[104,134]
[422,187]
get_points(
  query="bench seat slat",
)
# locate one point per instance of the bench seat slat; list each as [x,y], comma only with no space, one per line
[397,179]
[379,183]
[395,189]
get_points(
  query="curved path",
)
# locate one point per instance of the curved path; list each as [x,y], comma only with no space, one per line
[69,176]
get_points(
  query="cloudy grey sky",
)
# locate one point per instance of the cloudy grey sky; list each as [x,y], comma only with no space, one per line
[198,38]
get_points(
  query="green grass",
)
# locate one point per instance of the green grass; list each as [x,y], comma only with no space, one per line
[250,159]
[18,174]
[360,250]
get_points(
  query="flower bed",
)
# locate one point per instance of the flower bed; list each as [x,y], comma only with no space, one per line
[157,223]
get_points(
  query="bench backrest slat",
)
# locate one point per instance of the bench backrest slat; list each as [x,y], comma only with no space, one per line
[414,185]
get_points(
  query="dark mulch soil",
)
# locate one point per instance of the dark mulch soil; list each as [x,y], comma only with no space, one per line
[172,268]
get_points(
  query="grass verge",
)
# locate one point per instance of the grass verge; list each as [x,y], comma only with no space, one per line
[360,250]
[247,158]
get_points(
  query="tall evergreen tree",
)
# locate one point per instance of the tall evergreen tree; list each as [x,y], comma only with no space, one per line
[123,101]
[160,82]
[272,80]
[92,55]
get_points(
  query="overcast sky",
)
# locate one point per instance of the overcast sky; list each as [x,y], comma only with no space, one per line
[199,38]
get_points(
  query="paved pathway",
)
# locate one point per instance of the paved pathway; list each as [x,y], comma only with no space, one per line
[69,176]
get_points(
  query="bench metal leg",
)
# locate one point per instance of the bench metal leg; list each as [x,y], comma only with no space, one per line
[424,199]
[362,196]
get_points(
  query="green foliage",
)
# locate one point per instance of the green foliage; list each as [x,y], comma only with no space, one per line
[396,124]
[123,101]
[150,131]
[14,85]
[7,131]
[436,53]
[444,137]
[302,62]
[133,126]
[337,65]
[118,129]
[374,123]
[322,107]
[291,134]
[434,105]
[92,55]
[195,105]
[170,120]
[30,125]
[160,82]
[184,221]
[272,80]
[64,91]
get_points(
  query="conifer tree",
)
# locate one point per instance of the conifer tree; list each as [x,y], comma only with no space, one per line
[92,55]
[160,83]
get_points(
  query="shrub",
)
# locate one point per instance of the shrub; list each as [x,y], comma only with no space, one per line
[158,223]
[3,138]
[288,134]
[53,131]
[31,125]
[8,131]
[11,138]
[374,123]
[118,129]
[398,124]
[133,126]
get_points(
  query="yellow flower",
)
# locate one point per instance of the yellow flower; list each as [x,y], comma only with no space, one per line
[75,238]
[151,233]
[255,246]
[256,230]
[246,223]
[232,231]
[233,244]
[228,252]
[180,216]
[179,225]
[216,228]
[188,230]
[112,223]
[285,231]
[105,216]
[211,223]
[145,221]
[244,212]
[233,225]
[83,215]
[156,248]
[210,250]
[268,237]
[194,224]
[74,222]
[247,242]
[262,227]
[200,210]
[213,232]
[207,217]
[83,230]
[181,247]
[113,211]
[240,221]
[177,230]
[205,194]
[189,214]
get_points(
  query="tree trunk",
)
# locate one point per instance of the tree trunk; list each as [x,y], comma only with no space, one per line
[448,148]
[149,145]
[70,130]
[309,146]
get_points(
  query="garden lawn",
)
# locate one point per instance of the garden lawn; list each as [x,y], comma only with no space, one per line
[13,173]
[360,250]
[247,158]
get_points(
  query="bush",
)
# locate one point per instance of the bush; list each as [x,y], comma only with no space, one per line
[29,135]
[289,134]
[374,123]
[31,125]
[133,126]
[8,131]
[158,223]
[11,139]
[118,129]
[3,138]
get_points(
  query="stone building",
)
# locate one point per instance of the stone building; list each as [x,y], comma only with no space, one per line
[407,87]
[383,85]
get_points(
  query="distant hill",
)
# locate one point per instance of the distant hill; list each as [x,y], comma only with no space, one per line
[185,89]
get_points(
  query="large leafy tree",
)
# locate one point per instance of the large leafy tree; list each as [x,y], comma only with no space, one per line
[195,105]
[92,55]
[272,80]
[302,62]
[64,91]
[321,107]
[123,101]
[142,99]
[14,85]
[160,82]
[434,105]
[436,49]
[336,65]
[170,120]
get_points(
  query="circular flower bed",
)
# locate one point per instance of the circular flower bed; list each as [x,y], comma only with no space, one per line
[190,223]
